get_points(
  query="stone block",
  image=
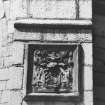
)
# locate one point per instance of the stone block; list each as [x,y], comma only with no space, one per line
[4,31]
[4,74]
[7,8]
[53,9]
[16,50]
[74,35]
[26,36]
[88,98]
[18,9]
[85,9]
[8,61]
[11,28]
[1,9]
[1,62]
[15,78]
[5,97]
[10,38]
[3,84]
[0,32]
[88,78]
[16,97]
[6,51]
[3,51]
[88,53]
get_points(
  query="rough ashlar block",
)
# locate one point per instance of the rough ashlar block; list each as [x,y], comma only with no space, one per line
[15,78]
[85,8]
[53,9]
[17,10]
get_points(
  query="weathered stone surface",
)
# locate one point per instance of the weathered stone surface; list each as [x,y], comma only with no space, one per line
[88,55]
[6,51]
[17,54]
[10,27]
[16,10]
[11,77]
[0,32]
[1,9]
[88,98]
[4,74]
[8,61]
[10,38]
[6,6]
[88,77]
[85,9]
[81,36]
[4,31]
[53,9]
[5,97]
[15,78]
[1,62]
[16,97]
[3,84]
[26,36]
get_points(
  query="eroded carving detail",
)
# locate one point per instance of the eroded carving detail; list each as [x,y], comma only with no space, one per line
[53,70]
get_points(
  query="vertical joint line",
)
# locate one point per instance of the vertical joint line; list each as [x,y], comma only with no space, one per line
[77,9]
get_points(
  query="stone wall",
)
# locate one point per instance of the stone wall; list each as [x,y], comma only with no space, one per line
[12,56]
[99,59]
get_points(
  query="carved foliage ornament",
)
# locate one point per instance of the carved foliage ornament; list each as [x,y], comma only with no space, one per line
[53,70]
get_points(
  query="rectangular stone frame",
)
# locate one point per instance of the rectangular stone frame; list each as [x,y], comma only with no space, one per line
[53,97]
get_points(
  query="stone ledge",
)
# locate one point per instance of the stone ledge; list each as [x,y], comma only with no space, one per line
[54,22]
